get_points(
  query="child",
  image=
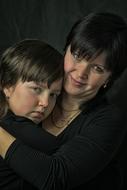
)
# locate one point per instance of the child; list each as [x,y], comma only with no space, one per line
[31,73]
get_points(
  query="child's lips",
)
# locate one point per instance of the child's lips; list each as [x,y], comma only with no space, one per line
[38,114]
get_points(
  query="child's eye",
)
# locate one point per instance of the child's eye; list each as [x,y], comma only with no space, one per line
[37,90]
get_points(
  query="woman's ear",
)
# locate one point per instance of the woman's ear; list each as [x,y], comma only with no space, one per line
[106,83]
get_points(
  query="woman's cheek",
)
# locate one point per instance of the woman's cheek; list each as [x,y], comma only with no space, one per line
[68,66]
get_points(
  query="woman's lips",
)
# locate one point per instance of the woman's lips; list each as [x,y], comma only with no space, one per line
[77,83]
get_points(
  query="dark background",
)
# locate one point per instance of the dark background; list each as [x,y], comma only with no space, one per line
[51,20]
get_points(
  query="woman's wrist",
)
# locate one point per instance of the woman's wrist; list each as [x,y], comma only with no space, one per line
[5,141]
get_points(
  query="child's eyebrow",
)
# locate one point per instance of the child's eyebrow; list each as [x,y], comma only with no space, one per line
[41,84]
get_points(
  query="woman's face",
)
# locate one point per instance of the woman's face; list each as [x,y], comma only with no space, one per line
[83,78]
[32,100]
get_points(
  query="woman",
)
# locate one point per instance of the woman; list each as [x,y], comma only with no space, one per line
[87,127]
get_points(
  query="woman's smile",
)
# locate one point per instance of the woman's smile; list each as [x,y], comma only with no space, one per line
[77,83]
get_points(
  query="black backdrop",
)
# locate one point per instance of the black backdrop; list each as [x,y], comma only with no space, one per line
[51,20]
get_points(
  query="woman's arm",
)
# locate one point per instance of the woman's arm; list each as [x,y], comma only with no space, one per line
[76,162]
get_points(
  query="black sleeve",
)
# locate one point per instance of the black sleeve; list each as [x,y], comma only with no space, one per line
[28,132]
[75,162]
[8,179]
[35,137]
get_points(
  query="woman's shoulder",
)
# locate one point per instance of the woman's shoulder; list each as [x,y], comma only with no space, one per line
[103,104]
[104,112]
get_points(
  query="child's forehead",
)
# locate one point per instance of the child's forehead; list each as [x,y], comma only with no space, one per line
[54,86]
[41,83]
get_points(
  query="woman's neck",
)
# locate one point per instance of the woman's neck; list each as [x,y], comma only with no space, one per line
[69,102]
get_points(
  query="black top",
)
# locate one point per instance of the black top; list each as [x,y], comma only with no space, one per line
[84,159]
[31,134]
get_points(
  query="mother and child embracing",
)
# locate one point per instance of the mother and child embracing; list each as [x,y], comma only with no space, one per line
[58,129]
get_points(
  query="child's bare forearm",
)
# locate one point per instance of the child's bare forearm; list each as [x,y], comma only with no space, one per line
[5,141]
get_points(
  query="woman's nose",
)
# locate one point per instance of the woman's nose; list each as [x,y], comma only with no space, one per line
[83,71]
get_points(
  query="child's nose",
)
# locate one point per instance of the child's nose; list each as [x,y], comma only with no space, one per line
[44,100]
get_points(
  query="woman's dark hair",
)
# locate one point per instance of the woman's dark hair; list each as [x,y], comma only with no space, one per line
[97,33]
[28,60]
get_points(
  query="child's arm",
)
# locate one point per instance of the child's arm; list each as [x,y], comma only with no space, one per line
[5,140]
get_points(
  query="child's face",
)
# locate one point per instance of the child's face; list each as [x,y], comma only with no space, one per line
[32,100]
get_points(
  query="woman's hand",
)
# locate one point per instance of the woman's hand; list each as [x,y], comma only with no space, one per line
[5,141]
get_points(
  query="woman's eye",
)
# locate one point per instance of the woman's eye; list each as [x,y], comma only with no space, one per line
[76,57]
[98,69]
[54,95]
